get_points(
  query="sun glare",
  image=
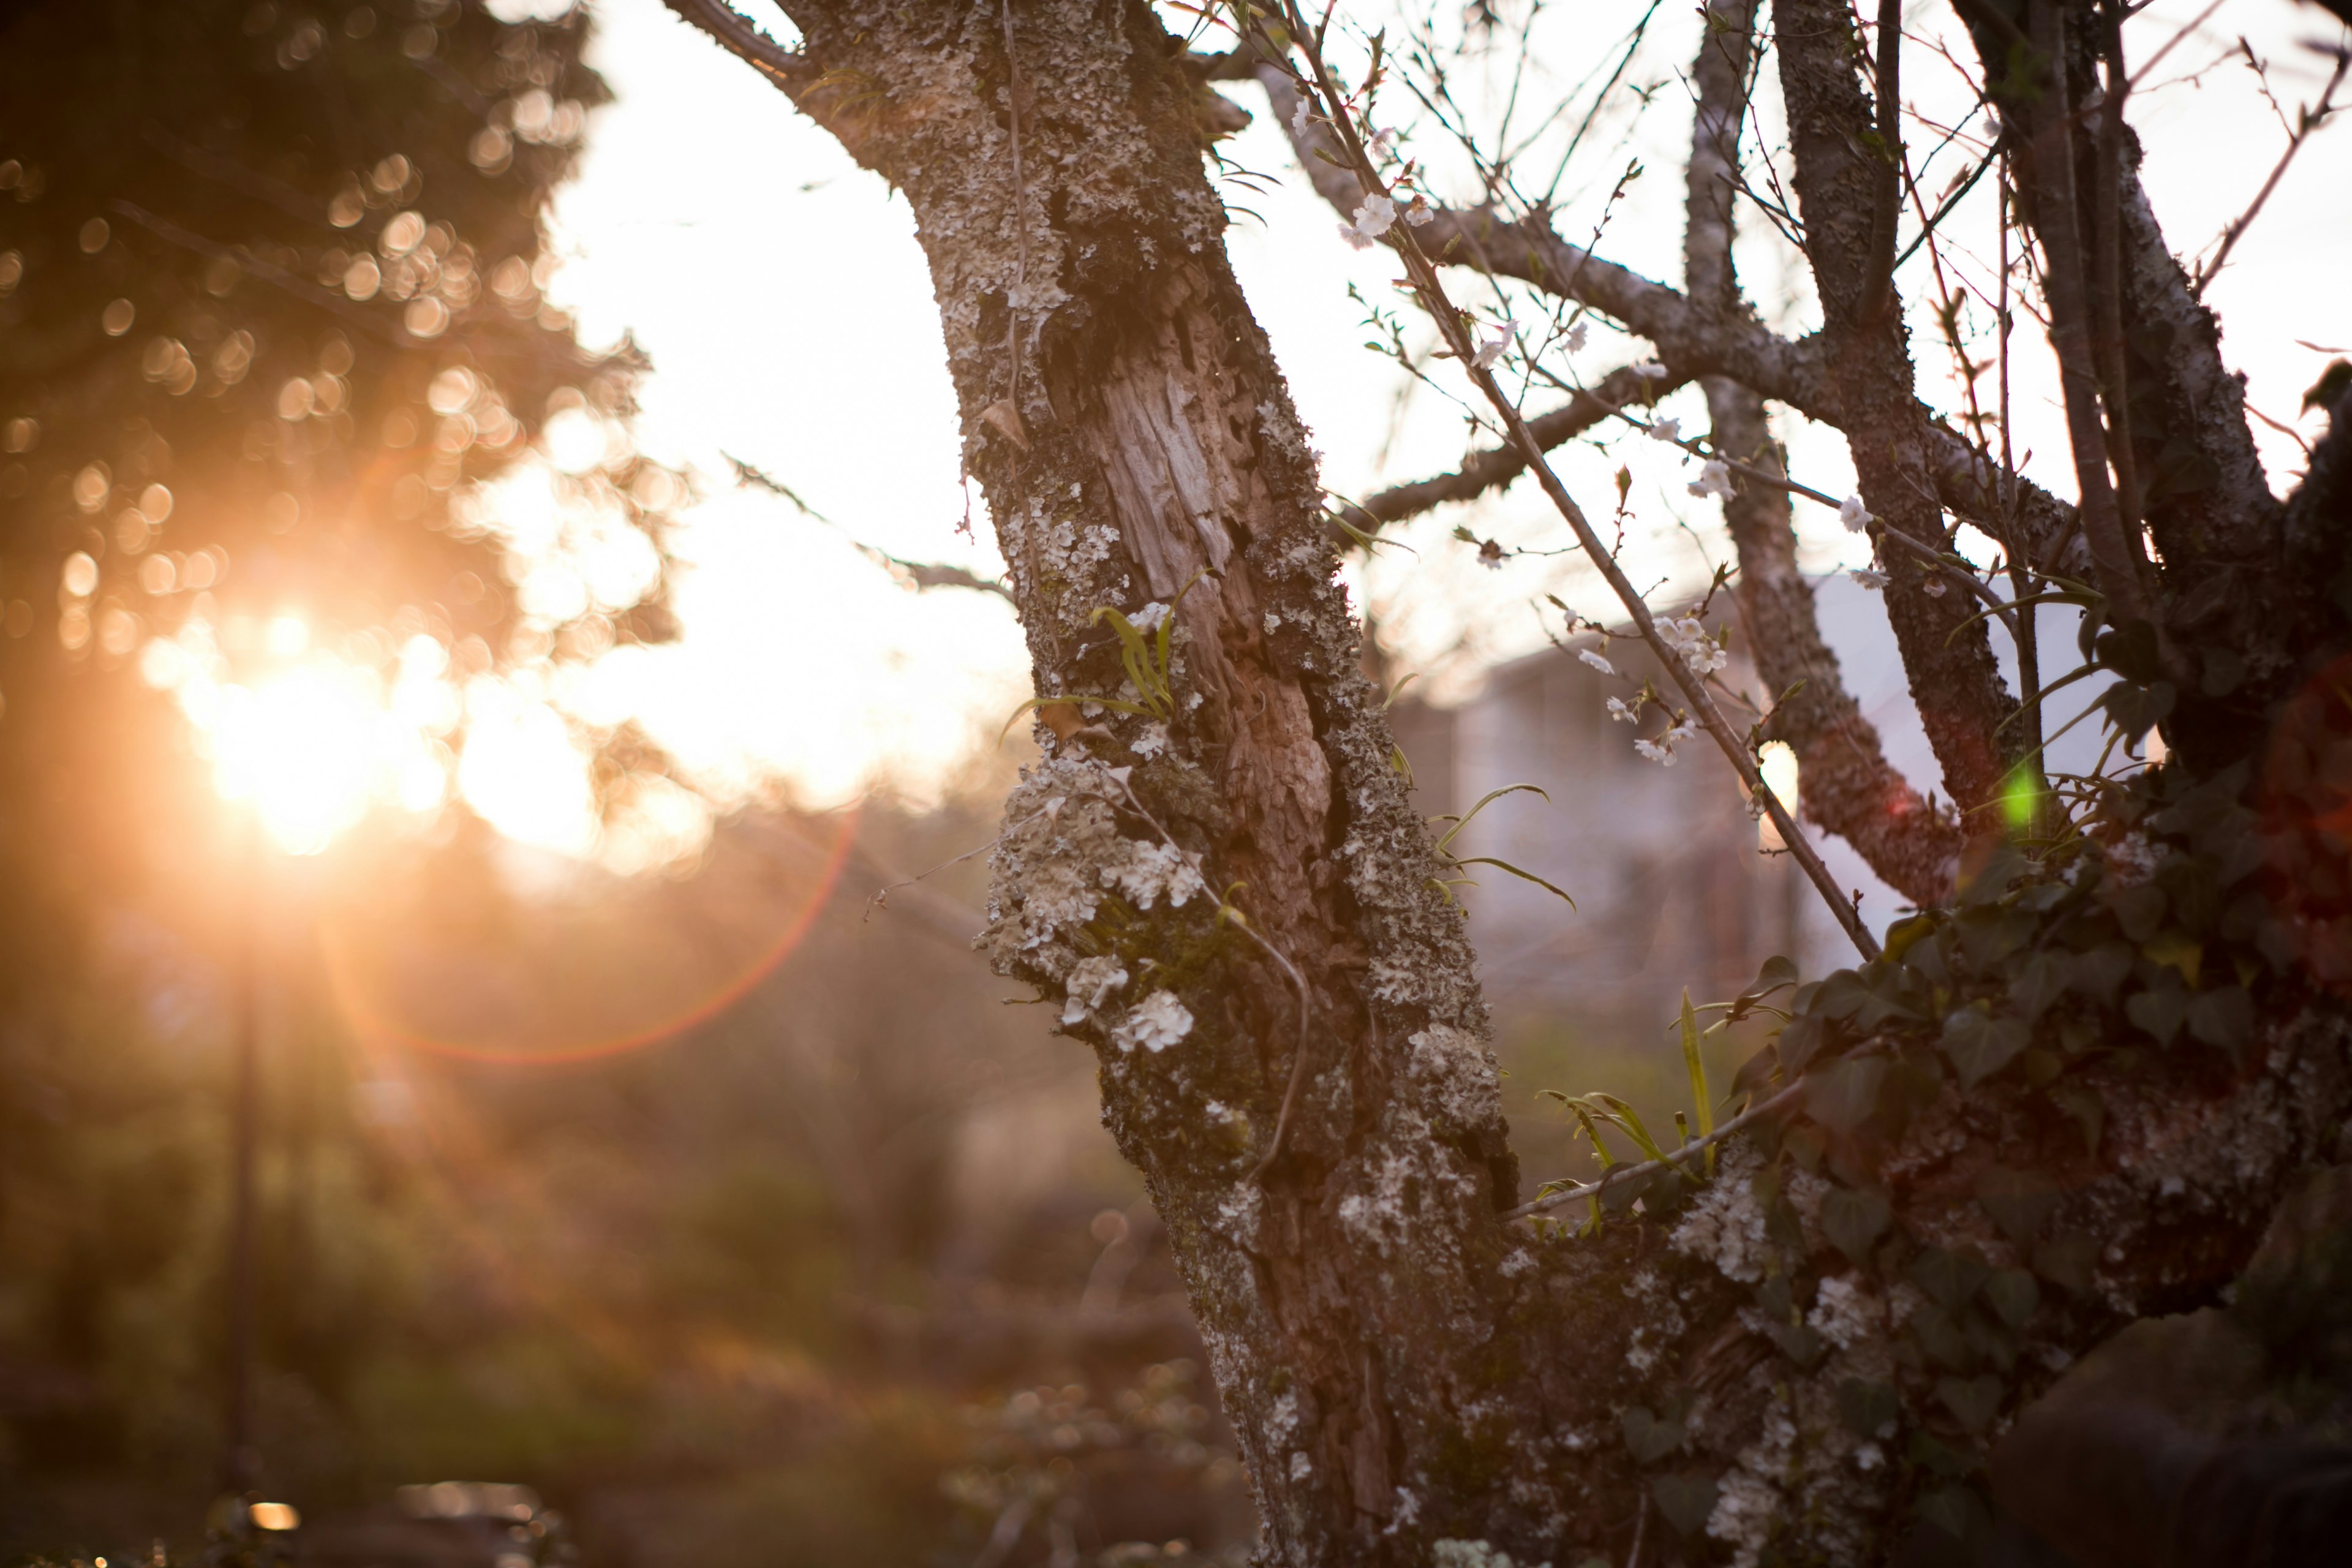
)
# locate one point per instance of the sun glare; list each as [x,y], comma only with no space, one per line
[312,741]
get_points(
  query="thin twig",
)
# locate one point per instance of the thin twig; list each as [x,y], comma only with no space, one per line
[2309,122]
[1618,1174]
[1449,321]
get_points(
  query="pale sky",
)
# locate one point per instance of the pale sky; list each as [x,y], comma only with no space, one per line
[789,316]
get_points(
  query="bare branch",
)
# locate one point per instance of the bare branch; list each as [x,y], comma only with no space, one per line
[921,575]
[736,32]
[1955,681]
[1843,779]
[1703,709]
[1689,342]
[2308,120]
[1492,468]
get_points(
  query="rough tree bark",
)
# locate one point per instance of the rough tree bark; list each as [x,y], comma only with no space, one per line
[1215,875]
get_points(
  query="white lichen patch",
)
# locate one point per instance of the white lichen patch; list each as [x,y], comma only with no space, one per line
[1091,981]
[1150,872]
[1658,1322]
[1455,1077]
[1471,1554]
[1155,1023]
[1844,1313]
[1061,854]
[1725,1226]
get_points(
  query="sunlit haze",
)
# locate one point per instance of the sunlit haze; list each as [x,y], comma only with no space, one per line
[784,303]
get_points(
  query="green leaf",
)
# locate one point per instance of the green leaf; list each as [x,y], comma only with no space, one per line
[1940,1335]
[1951,1278]
[1484,801]
[1981,1044]
[1798,1343]
[1524,876]
[2222,1018]
[1650,1437]
[2014,1294]
[1843,1094]
[2098,972]
[1754,1074]
[2139,910]
[1695,1068]
[2160,1011]
[1974,1400]
[2020,1201]
[1853,1220]
[2041,980]
[1684,1500]
[1799,1041]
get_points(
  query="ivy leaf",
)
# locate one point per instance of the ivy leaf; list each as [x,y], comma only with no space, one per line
[2223,1018]
[2136,709]
[2097,974]
[2020,1201]
[1684,1500]
[2041,982]
[1981,1044]
[1649,1438]
[2139,910]
[1798,1343]
[2159,1011]
[1853,1220]
[1949,1277]
[1974,1400]
[2014,1295]
[1755,1073]
[1842,1095]
[1800,1041]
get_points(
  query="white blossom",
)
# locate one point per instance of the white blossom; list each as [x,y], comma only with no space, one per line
[1382,144]
[1576,336]
[1714,479]
[1372,220]
[1300,116]
[1490,557]
[1664,755]
[1650,370]
[1596,661]
[1419,212]
[1665,429]
[1492,349]
[1874,581]
[1631,712]
[1855,515]
[1688,638]
[1933,588]
[1155,1023]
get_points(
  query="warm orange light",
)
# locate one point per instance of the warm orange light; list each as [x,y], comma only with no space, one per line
[303,747]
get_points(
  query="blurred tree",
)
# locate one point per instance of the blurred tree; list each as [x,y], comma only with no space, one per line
[271,310]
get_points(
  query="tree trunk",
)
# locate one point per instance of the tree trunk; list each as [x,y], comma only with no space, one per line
[1214,876]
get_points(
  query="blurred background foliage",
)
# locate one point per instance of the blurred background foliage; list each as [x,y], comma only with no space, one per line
[735,1217]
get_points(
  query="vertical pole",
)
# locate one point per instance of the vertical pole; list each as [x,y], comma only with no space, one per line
[240,1464]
